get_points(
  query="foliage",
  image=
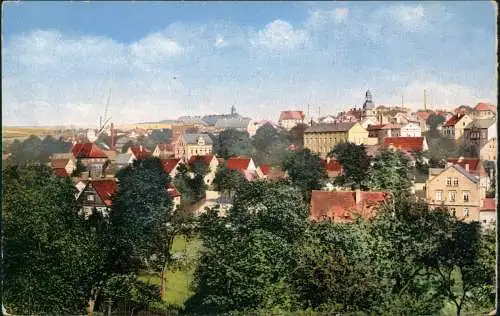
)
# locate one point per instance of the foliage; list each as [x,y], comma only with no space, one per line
[390,171]
[34,150]
[227,180]
[52,257]
[190,184]
[296,134]
[468,150]
[127,145]
[231,142]
[247,256]
[161,136]
[140,211]
[271,145]
[305,170]
[354,161]
[440,148]
[433,120]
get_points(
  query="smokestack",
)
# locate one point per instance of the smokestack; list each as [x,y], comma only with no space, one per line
[112,136]
[358,196]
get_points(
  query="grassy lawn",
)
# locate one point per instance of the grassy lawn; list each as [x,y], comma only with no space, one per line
[177,282]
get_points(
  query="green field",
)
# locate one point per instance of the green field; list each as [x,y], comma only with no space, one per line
[177,281]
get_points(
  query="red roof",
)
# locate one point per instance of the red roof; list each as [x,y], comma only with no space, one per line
[291,115]
[265,169]
[472,162]
[489,204]
[60,172]
[405,143]
[453,120]
[332,165]
[87,150]
[59,163]
[105,189]
[238,163]
[169,164]
[342,206]
[205,159]
[483,107]
[375,127]
[423,115]
[172,191]
[140,152]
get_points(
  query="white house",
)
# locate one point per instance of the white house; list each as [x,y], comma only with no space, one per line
[411,129]
[209,161]
[288,119]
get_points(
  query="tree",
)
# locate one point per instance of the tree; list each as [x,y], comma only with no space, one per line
[354,161]
[191,184]
[433,120]
[296,134]
[141,211]
[390,171]
[52,257]
[127,145]
[440,149]
[162,136]
[247,255]
[305,170]
[271,145]
[231,142]
[227,180]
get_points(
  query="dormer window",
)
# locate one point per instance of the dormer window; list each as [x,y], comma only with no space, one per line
[201,141]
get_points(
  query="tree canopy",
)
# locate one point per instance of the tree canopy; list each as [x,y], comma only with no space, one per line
[231,142]
[354,161]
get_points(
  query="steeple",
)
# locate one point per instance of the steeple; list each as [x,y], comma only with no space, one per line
[368,101]
[368,107]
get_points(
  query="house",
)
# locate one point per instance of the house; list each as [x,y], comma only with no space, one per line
[411,129]
[485,110]
[488,213]
[422,117]
[240,124]
[400,118]
[352,116]
[63,167]
[327,119]
[175,195]
[475,167]
[91,157]
[478,132]
[139,152]
[210,162]
[124,160]
[408,144]
[96,195]
[321,138]
[241,163]
[170,166]
[138,132]
[332,167]
[456,189]
[288,119]
[382,131]
[164,151]
[454,127]
[345,206]
[120,143]
[196,144]
[489,150]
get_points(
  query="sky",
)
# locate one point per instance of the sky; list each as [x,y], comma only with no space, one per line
[162,60]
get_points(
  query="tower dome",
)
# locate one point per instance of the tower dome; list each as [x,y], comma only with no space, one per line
[368,100]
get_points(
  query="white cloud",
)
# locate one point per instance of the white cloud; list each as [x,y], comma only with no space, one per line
[410,17]
[155,47]
[280,34]
[319,18]
[220,42]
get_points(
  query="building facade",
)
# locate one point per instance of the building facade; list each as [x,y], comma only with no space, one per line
[321,138]
[455,126]
[289,119]
[411,129]
[489,150]
[479,132]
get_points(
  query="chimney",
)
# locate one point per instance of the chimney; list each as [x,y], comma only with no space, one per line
[327,159]
[113,145]
[140,148]
[467,167]
[358,196]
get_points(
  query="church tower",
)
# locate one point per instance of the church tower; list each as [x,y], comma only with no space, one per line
[368,107]
[233,111]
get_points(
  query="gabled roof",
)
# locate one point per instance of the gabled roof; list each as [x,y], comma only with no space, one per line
[205,159]
[329,127]
[438,171]
[232,123]
[481,106]
[453,120]
[462,162]
[405,143]
[170,164]
[489,204]
[192,139]
[332,166]
[140,152]
[61,172]
[423,115]
[123,159]
[59,163]
[481,124]
[265,169]
[342,205]
[291,115]
[172,191]
[238,163]
[87,150]
[105,189]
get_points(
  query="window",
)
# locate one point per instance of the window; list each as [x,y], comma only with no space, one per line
[466,212]
[90,197]
[439,195]
[453,211]
[466,196]
[455,182]
[451,196]
[448,182]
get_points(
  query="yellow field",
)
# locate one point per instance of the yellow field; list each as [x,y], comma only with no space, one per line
[23,132]
[145,126]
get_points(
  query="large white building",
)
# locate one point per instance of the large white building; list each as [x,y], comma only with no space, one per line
[289,119]
[411,129]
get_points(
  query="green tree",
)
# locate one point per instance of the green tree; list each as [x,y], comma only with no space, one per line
[296,134]
[305,170]
[354,161]
[127,145]
[270,144]
[162,136]
[390,171]
[52,257]
[433,120]
[228,181]
[231,142]
[191,184]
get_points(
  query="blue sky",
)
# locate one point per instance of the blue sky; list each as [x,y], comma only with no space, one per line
[166,59]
